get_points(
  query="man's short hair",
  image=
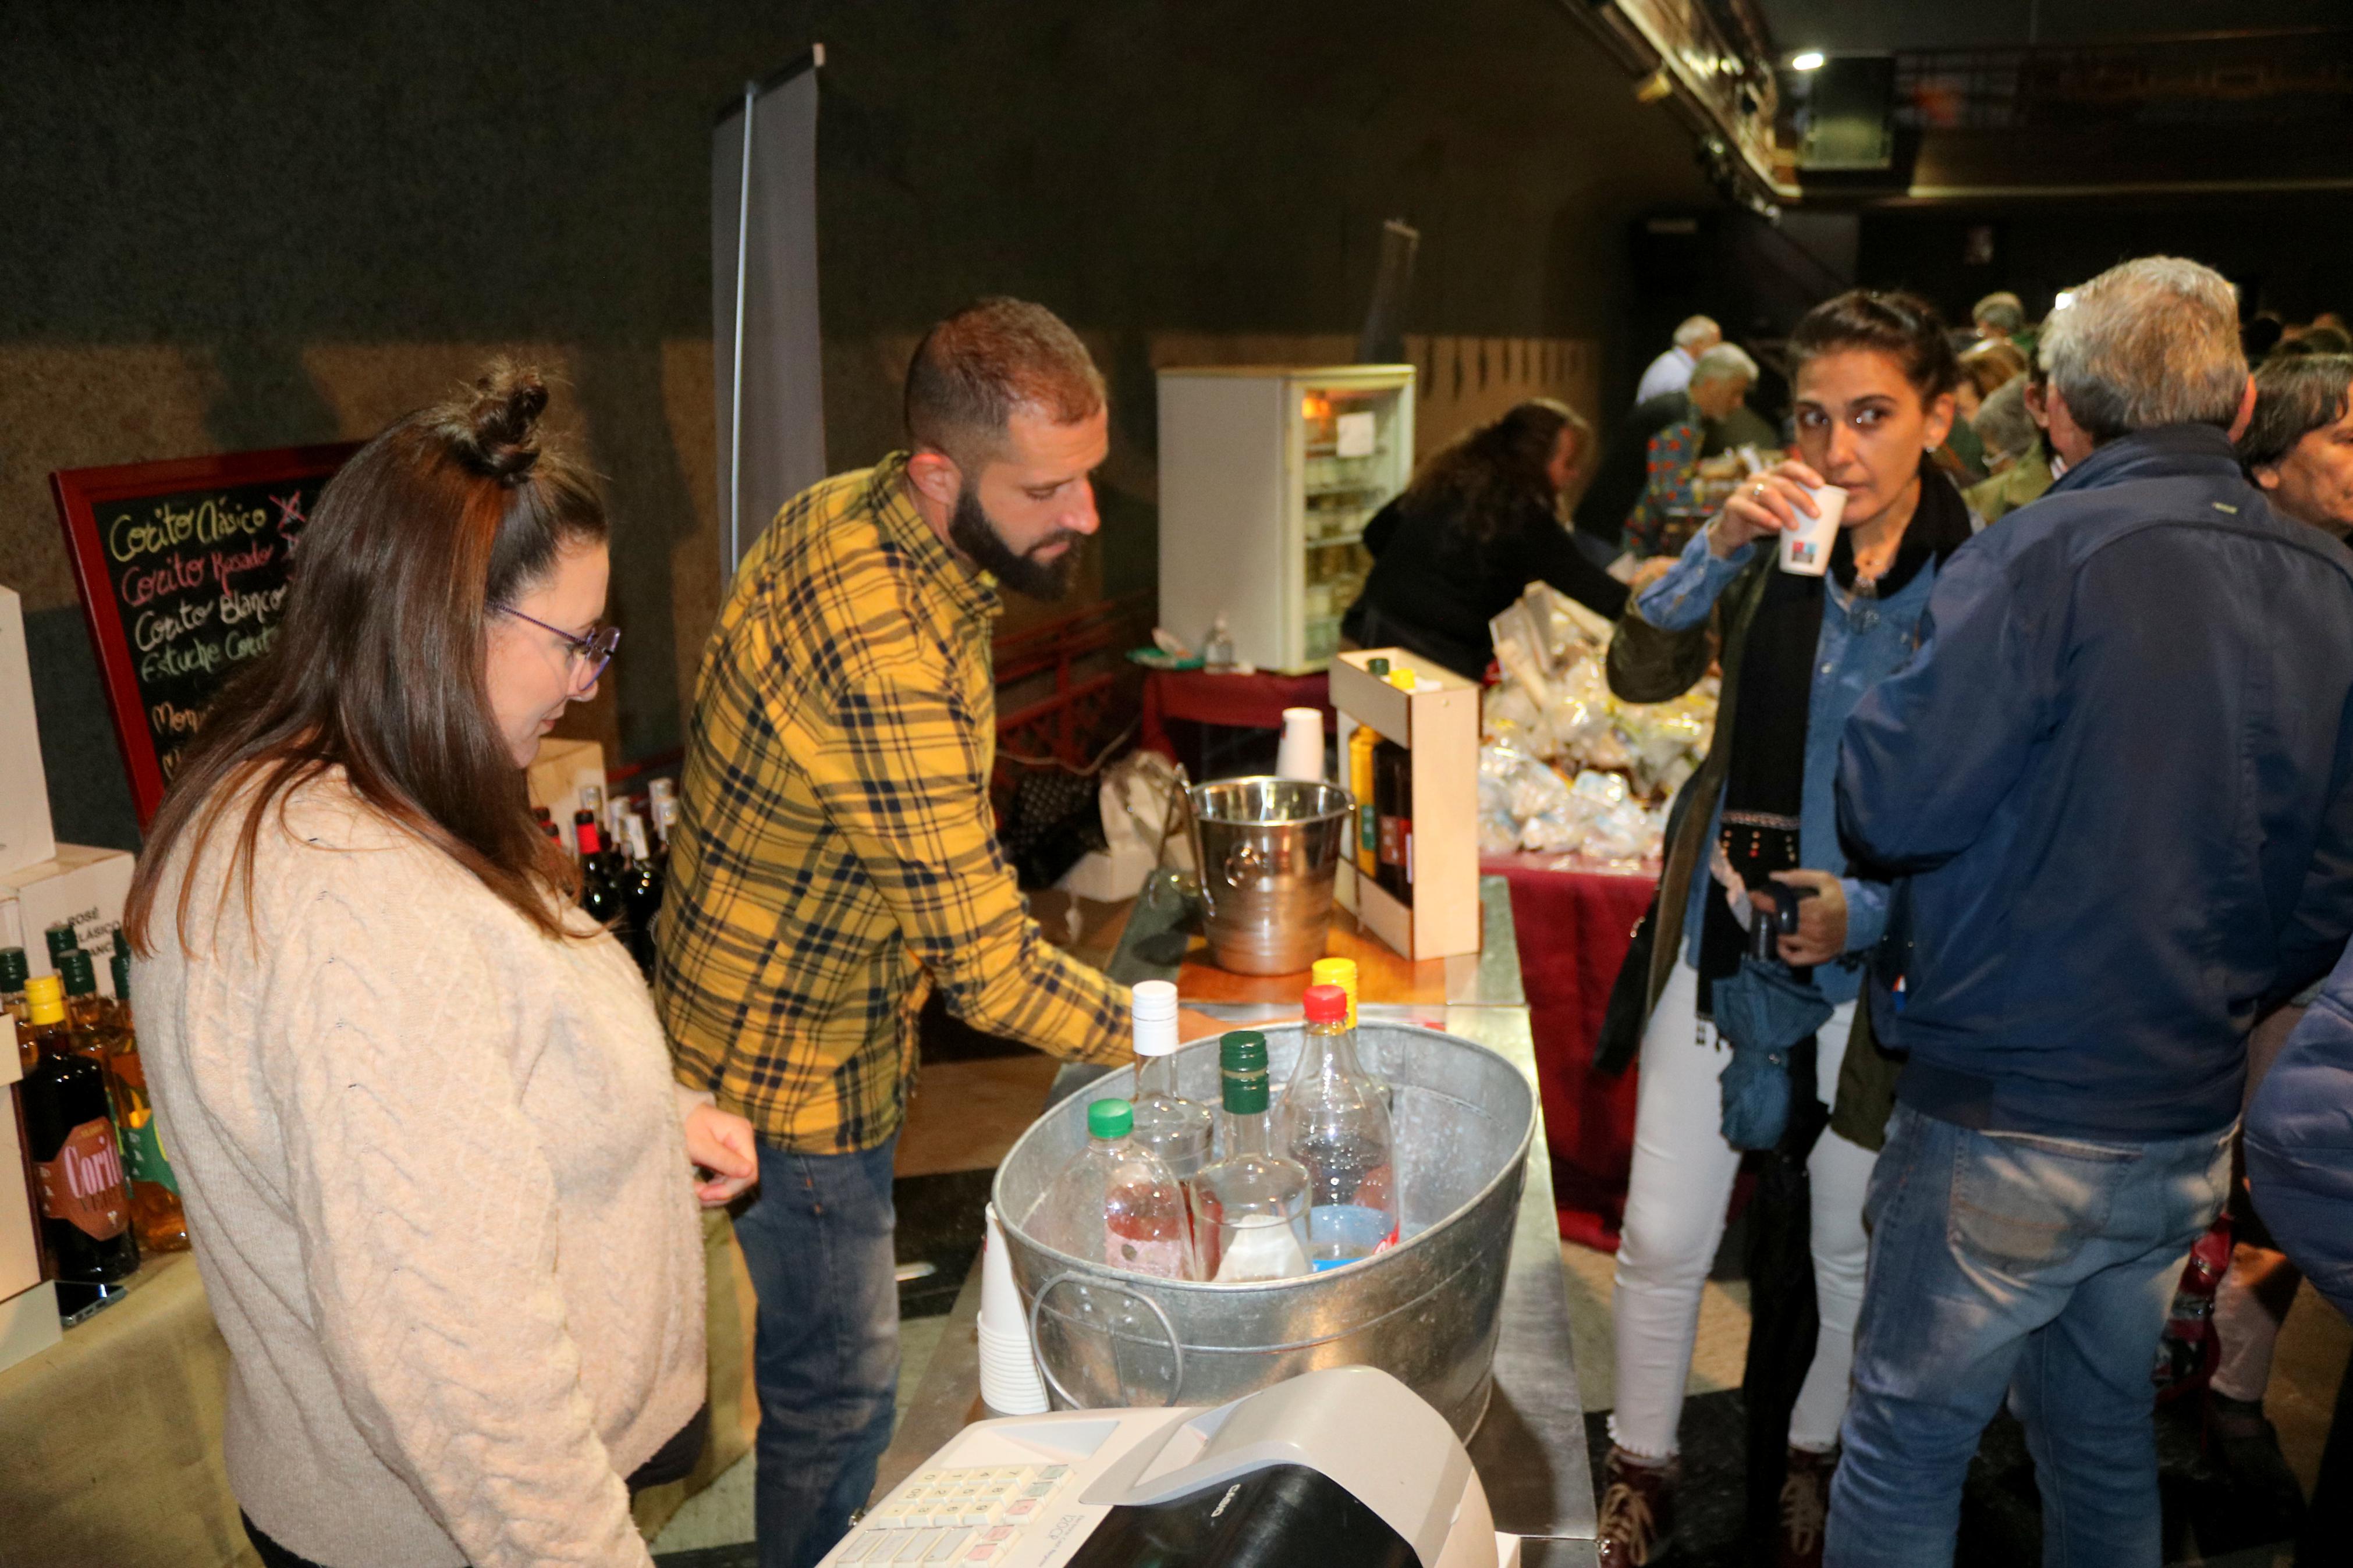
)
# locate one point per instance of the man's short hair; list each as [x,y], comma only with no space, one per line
[2003,424]
[2293,397]
[994,356]
[1696,330]
[2002,310]
[2149,343]
[1725,362]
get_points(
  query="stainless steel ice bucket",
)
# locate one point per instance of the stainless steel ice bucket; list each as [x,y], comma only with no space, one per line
[1268,850]
[1425,1311]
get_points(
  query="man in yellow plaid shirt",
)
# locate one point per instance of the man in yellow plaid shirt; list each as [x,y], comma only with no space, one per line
[836,859]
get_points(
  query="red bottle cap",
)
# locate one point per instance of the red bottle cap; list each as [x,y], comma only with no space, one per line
[1326,1004]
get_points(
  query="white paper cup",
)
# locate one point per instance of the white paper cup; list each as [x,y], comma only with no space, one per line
[1806,542]
[1301,753]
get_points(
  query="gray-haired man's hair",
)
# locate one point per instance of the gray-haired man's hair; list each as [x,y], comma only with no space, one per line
[1695,329]
[2002,310]
[2149,343]
[2002,420]
[1725,362]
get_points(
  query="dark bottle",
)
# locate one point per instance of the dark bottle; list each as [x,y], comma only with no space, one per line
[13,973]
[1393,808]
[600,895]
[77,1167]
[641,895]
[62,939]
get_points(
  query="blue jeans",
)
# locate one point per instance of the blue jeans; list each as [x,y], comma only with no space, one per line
[2008,1263]
[817,1241]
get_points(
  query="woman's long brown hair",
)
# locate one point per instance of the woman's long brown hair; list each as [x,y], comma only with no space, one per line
[378,667]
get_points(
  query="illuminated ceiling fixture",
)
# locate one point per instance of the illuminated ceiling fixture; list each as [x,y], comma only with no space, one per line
[1806,61]
[2066,298]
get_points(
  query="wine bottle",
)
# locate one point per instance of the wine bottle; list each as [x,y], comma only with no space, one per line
[1333,1123]
[1249,1207]
[642,894]
[14,971]
[598,894]
[76,1164]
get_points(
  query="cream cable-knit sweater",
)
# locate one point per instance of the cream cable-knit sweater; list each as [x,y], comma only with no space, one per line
[438,1190]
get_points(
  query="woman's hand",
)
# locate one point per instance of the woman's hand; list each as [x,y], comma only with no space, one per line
[720,1142]
[1822,919]
[1765,505]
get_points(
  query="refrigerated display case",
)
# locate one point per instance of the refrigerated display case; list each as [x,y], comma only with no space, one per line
[1268,476]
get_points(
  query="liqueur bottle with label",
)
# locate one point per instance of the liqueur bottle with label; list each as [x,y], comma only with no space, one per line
[156,1215]
[77,1166]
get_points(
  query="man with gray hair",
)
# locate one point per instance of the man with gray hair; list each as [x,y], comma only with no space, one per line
[2117,782]
[1999,315]
[1648,468]
[1671,371]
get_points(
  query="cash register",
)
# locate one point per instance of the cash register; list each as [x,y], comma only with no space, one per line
[1342,1466]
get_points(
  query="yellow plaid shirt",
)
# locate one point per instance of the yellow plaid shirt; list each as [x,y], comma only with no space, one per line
[835,856]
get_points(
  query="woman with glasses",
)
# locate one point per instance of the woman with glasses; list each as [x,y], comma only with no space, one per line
[440,1185]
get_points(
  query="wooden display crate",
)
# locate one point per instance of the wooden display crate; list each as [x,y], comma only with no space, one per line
[1438,723]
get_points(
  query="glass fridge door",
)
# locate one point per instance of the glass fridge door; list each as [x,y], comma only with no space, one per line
[1356,462]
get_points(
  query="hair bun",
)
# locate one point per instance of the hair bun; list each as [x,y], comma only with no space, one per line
[498,437]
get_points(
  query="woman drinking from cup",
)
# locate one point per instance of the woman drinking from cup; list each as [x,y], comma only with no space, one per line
[1816,573]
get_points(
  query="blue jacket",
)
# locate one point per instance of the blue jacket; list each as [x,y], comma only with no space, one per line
[2117,772]
[1863,641]
[2300,1142]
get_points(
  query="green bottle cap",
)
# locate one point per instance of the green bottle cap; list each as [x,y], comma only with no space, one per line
[79,971]
[1377,667]
[62,939]
[121,964]
[1111,1119]
[1242,1057]
[13,969]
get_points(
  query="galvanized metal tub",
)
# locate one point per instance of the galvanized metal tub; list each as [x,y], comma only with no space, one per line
[1268,850]
[1426,1311]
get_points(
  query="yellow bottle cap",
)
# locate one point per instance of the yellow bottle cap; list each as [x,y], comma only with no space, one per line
[1339,971]
[1402,679]
[45,1000]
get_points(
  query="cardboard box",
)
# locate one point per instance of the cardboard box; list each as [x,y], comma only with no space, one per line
[27,837]
[557,774]
[20,1253]
[28,1324]
[1438,723]
[83,885]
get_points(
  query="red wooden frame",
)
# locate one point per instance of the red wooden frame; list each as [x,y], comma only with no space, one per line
[79,492]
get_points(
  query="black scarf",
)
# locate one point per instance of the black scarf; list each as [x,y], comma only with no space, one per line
[1763,786]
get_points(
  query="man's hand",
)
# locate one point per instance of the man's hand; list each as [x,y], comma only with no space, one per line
[720,1141]
[1822,919]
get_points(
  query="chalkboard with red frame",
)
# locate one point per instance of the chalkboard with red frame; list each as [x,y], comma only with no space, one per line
[182,568]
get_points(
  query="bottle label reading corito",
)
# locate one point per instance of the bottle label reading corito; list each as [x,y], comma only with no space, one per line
[83,1185]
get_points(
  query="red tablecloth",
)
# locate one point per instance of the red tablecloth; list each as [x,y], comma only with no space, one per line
[1242,701]
[1575,921]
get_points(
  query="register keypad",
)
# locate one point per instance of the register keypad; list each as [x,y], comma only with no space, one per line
[955,1515]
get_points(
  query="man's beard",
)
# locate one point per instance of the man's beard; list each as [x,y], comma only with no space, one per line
[970,530]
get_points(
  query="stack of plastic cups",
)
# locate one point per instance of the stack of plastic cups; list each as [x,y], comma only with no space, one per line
[1299,754]
[1009,1383]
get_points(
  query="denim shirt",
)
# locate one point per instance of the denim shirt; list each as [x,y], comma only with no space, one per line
[1864,641]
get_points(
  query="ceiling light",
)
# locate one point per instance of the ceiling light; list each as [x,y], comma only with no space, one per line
[1805,60]
[2066,298]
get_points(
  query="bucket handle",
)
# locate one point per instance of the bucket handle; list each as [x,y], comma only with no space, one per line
[1244,864]
[1068,1276]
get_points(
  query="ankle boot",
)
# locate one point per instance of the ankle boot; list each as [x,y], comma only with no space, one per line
[1805,1508]
[1637,1510]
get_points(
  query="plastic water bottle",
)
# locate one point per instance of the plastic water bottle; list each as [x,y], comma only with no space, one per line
[1178,1130]
[1250,1209]
[1334,1124]
[1117,1204]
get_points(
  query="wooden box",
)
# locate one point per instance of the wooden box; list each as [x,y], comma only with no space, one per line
[1438,723]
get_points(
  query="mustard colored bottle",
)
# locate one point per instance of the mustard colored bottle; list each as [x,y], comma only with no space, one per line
[1361,741]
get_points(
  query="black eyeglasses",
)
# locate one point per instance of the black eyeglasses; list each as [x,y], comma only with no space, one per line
[595,651]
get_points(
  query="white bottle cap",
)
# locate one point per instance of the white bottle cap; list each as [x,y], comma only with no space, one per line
[1152,1006]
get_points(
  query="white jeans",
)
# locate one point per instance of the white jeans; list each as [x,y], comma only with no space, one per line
[1675,1205]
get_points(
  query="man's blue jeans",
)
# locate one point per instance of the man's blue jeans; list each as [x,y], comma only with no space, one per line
[2040,1267]
[817,1241]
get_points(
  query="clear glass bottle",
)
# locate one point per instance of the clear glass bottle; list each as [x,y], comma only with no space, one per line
[1342,973]
[1249,1208]
[1178,1130]
[1117,1204]
[1333,1123]
[1218,649]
